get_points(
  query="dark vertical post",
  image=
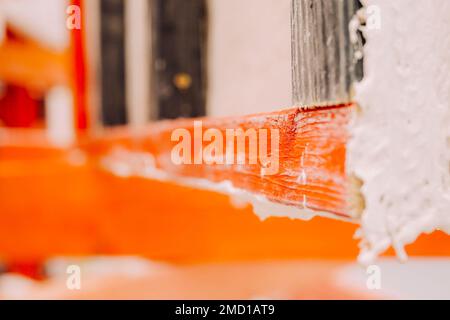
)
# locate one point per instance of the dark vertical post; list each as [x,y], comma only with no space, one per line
[179,57]
[113,95]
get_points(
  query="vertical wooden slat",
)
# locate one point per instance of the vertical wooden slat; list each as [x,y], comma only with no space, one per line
[323,59]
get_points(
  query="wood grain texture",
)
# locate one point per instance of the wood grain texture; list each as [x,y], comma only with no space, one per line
[311,156]
[323,59]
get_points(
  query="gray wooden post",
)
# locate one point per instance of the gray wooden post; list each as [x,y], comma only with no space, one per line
[324,66]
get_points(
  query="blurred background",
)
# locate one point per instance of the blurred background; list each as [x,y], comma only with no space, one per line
[74,77]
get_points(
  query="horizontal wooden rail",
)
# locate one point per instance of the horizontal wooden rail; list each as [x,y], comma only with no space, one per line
[311,168]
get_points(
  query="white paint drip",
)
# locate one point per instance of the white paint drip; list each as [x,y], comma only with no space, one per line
[124,163]
[302,178]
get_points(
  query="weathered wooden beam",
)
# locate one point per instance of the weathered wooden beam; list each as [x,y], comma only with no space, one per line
[324,65]
[303,169]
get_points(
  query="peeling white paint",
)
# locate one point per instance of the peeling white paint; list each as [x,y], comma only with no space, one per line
[399,145]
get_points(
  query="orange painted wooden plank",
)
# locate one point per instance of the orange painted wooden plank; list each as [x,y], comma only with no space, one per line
[311,155]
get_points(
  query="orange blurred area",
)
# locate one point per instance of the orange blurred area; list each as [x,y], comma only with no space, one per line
[51,207]
[62,203]
[33,66]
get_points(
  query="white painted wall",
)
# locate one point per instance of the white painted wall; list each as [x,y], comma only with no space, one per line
[138,54]
[249,56]
[43,20]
